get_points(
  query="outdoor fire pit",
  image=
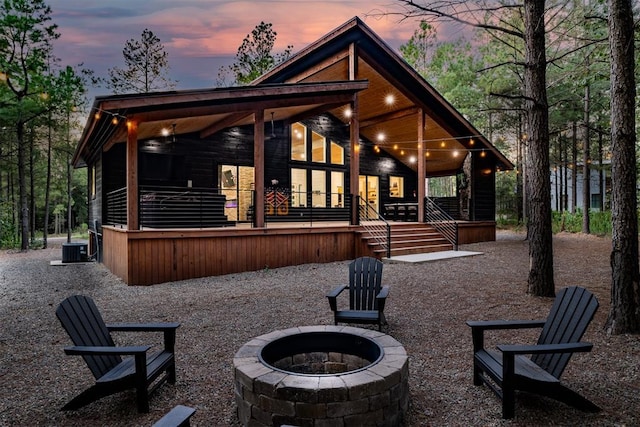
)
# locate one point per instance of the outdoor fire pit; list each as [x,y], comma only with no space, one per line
[338,375]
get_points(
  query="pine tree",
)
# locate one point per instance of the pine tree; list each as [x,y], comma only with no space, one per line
[254,56]
[147,67]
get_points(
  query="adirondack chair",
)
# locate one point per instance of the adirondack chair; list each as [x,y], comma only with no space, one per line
[508,369]
[179,416]
[145,371]
[367,296]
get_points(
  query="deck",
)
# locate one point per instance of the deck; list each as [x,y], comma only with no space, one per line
[148,256]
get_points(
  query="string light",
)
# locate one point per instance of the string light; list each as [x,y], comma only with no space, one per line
[389,99]
[115,117]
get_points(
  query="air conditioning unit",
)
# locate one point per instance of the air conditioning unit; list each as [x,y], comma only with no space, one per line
[74,252]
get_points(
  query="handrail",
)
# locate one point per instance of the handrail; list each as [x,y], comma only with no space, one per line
[441,221]
[375,224]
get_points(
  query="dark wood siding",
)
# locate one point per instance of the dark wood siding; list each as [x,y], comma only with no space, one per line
[484,189]
[195,159]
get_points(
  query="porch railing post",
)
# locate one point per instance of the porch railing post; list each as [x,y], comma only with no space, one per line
[254,221]
[388,241]
[354,218]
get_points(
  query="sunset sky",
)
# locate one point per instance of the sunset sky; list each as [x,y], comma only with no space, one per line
[202,35]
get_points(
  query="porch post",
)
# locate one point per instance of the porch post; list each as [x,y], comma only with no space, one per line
[133,222]
[258,164]
[422,167]
[354,170]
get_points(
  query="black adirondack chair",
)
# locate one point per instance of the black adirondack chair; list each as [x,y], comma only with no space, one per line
[367,296]
[179,416]
[508,369]
[145,371]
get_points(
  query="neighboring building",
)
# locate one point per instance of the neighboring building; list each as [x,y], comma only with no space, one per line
[190,183]
[562,186]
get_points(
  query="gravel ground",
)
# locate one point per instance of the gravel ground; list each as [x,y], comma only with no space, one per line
[426,310]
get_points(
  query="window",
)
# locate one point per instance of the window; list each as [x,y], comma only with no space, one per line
[319,189]
[298,142]
[93,181]
[298,188]
[317,185]
[369,194]
[318,148]
[236,184]
[396,186]
[337,154]
[337,189]
[444,186]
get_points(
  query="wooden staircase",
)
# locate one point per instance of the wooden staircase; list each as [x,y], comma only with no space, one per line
[408,238]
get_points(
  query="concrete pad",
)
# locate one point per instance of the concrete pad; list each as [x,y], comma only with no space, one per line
[57,262]
[431,256]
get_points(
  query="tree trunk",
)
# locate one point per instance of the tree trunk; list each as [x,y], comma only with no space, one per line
[22,183]
[47,190]
[624,314]
[586,170]
[574,169]
[32,185]
[538,166]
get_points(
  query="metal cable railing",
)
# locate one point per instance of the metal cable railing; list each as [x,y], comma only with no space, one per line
[180,207]
[116,207]
[282,205]
[441,221]
[377,227]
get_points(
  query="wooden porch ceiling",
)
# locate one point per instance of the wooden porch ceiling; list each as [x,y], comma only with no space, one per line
[389,117]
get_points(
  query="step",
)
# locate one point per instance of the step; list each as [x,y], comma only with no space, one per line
[407,236]
[414,250]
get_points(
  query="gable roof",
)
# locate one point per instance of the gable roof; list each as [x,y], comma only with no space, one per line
[388,74]
[322,77]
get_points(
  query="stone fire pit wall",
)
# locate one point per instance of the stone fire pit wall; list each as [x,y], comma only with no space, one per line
[373,393]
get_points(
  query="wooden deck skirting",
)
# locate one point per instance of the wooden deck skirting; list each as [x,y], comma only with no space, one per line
[147,257]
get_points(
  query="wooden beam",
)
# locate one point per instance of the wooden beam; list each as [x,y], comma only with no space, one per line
[132,176]
[258,167]
[354,137]
[353,62]
[421,166]
[231,95]
[354,170]
[246,106]
[221,124]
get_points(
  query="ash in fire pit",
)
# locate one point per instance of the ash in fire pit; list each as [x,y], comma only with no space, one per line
[340,375]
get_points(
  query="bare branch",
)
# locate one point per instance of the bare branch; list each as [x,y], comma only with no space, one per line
[436,12]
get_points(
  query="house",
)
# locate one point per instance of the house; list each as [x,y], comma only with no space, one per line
[565,195]
[300,166]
